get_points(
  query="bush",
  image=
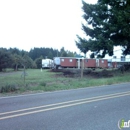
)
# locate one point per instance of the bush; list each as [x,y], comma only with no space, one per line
[8,88]
[43,84]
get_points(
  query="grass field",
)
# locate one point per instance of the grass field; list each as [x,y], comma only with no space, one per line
[37,81]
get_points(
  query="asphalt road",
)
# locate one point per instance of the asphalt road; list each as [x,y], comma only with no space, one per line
[94,108]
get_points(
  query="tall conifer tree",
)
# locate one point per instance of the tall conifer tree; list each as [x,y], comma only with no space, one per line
[107,25]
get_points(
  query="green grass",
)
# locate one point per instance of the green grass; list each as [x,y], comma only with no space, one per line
[48,81]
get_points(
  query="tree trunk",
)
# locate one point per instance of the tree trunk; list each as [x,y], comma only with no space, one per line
[16,68]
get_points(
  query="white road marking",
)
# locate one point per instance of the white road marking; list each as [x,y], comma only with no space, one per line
[60,105]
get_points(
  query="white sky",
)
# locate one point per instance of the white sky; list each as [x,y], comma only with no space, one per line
[26,24]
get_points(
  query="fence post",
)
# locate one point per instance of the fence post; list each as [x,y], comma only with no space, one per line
[82,64]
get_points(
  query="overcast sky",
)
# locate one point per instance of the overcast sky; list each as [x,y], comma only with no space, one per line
[26,24]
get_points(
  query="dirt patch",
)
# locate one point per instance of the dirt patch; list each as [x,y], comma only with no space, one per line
[102,74]
[73,73]
[10,73]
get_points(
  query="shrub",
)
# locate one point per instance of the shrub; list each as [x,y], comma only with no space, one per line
[43,83]
[8,88]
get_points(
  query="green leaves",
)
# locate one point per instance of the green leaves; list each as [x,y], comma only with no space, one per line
[108,25]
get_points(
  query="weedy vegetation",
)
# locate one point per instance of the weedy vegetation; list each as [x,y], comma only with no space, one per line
[36,80]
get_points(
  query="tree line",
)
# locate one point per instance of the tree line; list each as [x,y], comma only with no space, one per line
[16,58]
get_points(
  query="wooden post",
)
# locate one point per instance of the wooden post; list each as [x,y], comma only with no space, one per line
[78,63]
[82,67]
[24,75]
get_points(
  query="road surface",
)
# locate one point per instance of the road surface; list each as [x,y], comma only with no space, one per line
[94,108]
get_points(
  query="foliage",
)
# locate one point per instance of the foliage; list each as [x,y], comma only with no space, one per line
[45,52]
[50,81]
[8,88]
[15,58]
[49,53]
[28,62]
[107,25]
[38,62]
[63,52]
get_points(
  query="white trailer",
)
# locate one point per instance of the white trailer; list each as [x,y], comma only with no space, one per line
[47,63]
[57,63]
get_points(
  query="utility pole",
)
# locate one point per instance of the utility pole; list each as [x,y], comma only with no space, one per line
[24,74]
[57,53]
[82,67]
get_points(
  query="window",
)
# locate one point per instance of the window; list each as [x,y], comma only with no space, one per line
[114,57]
[70,60]
[62,60]
[102,61]
[122,58]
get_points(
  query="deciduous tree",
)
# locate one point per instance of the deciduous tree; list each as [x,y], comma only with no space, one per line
[5,59]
